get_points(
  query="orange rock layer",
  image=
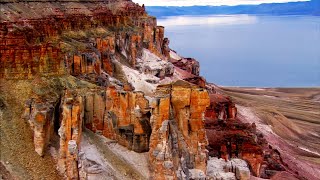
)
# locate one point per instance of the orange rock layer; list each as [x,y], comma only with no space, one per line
[84,39]
[178,140]
[71,120]
[119,115]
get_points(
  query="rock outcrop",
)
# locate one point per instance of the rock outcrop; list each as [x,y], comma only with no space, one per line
[79,38]
[178,140]
[221,108]
[41,117]
[233,169]
[72,114]
[128,86]
[65,118]
[230,138]
[127,119]
[165,48]
[188,64]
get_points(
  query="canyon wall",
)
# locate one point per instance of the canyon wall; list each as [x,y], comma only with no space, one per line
[137,91]
[170,127]
[73,37]
[178,140]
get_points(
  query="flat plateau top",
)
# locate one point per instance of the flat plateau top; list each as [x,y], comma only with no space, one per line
[16,10]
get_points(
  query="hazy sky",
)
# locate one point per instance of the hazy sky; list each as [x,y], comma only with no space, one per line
[206,2]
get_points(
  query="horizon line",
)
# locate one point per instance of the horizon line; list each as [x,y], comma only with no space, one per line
[214,4]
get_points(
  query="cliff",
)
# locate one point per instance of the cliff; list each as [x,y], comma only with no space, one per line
[77,76]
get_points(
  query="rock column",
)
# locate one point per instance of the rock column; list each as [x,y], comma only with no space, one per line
[70,133]
[178,141]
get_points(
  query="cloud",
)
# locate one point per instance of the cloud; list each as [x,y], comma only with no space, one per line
[207,2]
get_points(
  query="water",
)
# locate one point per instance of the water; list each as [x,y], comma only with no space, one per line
[257,51]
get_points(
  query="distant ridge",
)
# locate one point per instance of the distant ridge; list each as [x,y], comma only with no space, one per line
[291,8]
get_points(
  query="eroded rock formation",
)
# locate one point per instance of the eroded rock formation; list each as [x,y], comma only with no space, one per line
[188,64]
[178,140]
[127,119]
[76,38]
[72,114]
[128,86]
[233,169]
[64,118]
[230,138]
[221,108]
[41,117]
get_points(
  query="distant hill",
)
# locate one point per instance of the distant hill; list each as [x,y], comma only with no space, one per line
[292,8]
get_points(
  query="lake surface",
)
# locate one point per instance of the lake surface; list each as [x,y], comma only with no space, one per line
[243,50]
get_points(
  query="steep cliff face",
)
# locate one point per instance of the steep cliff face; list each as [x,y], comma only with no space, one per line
[128,119]
[80,38]
[171,128]
[72,115]
[40,116]
[120,115]
[106,66]
[230,138]
[178,140]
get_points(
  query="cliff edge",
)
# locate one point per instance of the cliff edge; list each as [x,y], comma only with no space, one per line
[92,90]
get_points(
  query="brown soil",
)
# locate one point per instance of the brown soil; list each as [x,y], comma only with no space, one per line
[16,145]
[4,173]
[293,114]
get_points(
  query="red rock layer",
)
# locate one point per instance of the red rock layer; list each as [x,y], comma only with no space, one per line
[20,62]
[230,138]
[187,68]
[221,107]
[34,42]
[188,64]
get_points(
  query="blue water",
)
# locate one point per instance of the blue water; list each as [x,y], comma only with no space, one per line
[259,51]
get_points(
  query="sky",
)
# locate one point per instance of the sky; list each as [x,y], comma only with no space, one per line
[207,2]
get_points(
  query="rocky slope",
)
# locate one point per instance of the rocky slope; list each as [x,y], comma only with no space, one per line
[92,90]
